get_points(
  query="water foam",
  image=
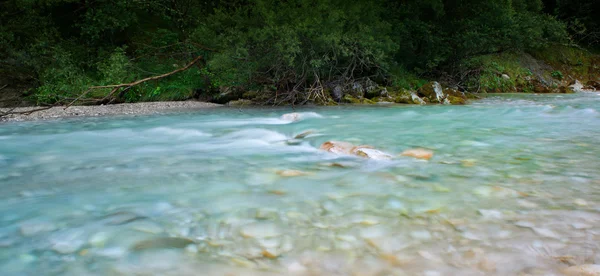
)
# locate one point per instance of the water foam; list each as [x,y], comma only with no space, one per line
[179,132]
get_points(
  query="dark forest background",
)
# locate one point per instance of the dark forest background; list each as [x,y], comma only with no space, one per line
[51,51]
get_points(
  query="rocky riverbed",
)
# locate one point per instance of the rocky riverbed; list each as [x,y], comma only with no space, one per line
[147,108]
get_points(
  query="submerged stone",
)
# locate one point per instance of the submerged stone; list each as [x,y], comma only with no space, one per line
[162,243]
[418,153]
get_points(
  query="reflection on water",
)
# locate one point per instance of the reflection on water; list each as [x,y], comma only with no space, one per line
[513,188]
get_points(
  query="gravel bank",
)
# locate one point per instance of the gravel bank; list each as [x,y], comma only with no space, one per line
[103,110]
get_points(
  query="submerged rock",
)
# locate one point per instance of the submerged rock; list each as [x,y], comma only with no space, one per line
[162,243]
[418,153]
[365,151]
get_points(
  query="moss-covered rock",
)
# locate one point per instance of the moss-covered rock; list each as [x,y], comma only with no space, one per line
[402,96]
[427,91]
[456,100]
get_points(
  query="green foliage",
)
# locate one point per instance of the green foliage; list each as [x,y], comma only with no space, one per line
[270,45]
[557,75]
[490,73]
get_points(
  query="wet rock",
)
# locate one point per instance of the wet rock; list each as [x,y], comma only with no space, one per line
[32,228]
[304,134]
[293,142]
[583,270]
[338,147]
[418,153]
[162,243]
[372,154]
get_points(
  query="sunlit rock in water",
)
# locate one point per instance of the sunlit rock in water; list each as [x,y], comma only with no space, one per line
[339,147]
[418,153]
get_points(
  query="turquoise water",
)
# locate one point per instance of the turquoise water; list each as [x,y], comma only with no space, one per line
[513,187]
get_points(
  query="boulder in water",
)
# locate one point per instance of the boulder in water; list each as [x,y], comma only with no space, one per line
[432,91]
[418,153]
[337,147]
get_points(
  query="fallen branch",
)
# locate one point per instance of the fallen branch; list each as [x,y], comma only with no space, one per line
[127,86]
[27,112]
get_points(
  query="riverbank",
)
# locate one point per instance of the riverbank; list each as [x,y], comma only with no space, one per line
[145,108]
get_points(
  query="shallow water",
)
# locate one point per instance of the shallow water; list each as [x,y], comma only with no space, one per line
[513,187]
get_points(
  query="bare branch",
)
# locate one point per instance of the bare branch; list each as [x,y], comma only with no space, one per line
[127,86]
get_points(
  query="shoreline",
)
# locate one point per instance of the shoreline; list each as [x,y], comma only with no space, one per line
[146,108]
[142,108]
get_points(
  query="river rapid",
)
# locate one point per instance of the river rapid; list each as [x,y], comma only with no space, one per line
[513,188]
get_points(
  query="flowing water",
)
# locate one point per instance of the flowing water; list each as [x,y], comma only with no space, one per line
[513,188]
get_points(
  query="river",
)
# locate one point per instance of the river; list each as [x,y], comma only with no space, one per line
[513,187]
